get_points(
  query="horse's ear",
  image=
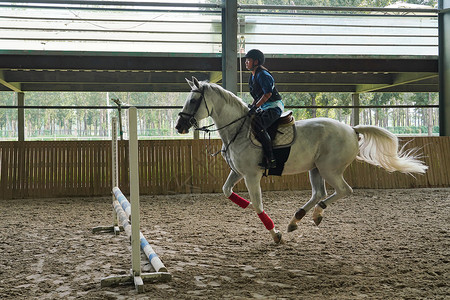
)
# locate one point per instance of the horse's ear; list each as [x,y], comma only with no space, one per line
[191,84]
[197,84]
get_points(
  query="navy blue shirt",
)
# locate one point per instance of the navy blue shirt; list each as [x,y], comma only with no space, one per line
[265,80]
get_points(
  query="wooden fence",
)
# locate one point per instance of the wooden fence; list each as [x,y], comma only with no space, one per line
[83,168]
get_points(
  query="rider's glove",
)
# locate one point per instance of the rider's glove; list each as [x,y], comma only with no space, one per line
[252,110]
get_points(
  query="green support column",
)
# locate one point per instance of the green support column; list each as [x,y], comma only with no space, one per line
[444,67]
[355,111]
[20,96]
[229,45]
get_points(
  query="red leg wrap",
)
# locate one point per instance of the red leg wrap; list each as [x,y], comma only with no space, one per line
[239,200]
[267,221]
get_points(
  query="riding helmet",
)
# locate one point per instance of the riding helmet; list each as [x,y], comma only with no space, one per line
[256,54]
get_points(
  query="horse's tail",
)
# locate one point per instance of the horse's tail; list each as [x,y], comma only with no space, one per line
[379,147]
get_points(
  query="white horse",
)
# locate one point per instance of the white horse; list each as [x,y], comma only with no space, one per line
[324,147]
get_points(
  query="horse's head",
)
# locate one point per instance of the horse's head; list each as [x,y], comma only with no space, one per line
[193,110]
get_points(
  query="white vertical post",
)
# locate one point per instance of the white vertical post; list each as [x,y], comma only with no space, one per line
[114,169]
[134,192]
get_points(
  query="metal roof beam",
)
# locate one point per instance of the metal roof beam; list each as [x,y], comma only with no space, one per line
[335,78]
[99,61]
[103,87]
[337,8]
[398,79]
[113,77]
[116,3]
[10,85]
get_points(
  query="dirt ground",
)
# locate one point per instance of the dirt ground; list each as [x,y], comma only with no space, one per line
[375,244]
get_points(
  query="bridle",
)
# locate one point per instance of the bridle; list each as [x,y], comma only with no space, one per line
[193,121]
[191,117]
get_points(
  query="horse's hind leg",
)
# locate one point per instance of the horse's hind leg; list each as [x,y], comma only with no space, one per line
[342,189]
[318,192]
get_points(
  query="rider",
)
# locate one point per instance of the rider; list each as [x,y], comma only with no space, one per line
[267,101]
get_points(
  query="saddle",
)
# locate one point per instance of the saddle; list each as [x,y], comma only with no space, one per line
[281,132]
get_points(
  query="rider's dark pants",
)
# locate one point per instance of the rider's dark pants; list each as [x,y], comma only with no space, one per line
[268,117]
[263,121]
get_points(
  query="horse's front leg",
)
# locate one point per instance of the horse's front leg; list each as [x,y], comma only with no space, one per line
[254,189]
[232,180]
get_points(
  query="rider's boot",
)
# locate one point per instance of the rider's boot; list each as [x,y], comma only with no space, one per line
[268,150]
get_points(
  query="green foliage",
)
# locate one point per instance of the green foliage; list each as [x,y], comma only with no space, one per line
[411,130]
[83,123]
[157,123]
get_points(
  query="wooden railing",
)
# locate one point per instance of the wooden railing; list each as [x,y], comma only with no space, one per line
[83,168]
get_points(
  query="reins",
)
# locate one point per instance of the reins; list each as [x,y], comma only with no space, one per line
[208,131]
[205,128]
[193,122]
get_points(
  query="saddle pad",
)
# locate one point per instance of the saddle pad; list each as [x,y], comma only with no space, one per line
[281,155]
[285,137]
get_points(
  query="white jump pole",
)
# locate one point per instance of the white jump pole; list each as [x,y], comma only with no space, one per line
[151,255]
[126,206]
[124,220]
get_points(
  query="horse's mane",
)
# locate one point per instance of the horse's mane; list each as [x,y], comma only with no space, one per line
[228,96]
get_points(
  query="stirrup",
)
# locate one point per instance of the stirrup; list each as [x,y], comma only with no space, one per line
[272,164]
[268,164]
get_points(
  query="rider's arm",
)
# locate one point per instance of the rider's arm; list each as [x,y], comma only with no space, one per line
[266,82]
[263,99]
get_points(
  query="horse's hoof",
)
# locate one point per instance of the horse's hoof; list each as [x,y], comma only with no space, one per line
[292,227]
[318,220]
[317,215]
[300,214]
[278,238]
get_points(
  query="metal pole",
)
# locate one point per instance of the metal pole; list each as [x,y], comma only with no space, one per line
[355,110]
[229,45]
[119,109]
[118,3]
[444,67]
[335,8]
[108,117]
[20,96]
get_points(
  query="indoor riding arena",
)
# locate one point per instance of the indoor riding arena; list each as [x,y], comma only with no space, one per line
[128,213]
[389,239]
